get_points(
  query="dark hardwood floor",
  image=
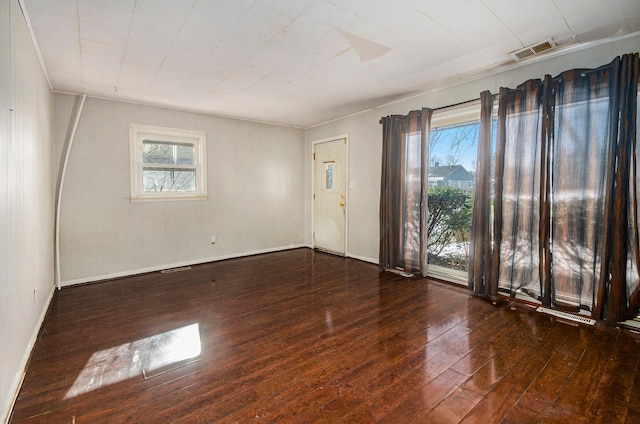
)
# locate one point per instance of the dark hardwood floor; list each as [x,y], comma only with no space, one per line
[302,336]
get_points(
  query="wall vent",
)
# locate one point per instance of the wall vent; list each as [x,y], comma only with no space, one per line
[533,50]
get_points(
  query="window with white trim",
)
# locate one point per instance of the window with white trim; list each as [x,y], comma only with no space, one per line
[453,144]
[167,163]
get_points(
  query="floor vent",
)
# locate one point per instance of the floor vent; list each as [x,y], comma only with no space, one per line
[533,50]
[170,270]
[567,316]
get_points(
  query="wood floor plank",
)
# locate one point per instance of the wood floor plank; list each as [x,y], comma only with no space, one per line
[579,393]
[454,407]
[613,396]
[418,405]
[505,395]
[302,336]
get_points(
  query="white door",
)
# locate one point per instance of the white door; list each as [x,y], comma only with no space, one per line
[329,197]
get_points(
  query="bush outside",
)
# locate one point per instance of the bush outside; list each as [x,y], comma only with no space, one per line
[449,226]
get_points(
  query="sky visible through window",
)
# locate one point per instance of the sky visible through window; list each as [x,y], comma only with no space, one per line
[455,145]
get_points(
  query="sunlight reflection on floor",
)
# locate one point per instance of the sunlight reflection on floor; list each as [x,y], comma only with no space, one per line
[128,360]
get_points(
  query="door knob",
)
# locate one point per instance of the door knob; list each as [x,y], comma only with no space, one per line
[341,203]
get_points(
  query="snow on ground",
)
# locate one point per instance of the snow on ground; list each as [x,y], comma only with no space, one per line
[455,249]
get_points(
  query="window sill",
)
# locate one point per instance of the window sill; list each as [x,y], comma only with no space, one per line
[446,274]
[167,198]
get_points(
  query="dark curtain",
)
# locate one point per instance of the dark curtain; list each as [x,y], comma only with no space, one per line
[403,193]
[517,205]
[583,167]
[566,214]
[617,295]
[480,250]
[630,129]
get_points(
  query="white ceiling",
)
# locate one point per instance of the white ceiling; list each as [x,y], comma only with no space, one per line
[297,62]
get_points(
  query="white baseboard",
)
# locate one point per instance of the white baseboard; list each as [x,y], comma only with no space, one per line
[14,388]
[362,258]
[351,255]
[176,265]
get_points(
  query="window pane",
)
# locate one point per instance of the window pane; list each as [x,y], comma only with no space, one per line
[167,163]
[173,153]
[452,163]
[329,176]
[167,179]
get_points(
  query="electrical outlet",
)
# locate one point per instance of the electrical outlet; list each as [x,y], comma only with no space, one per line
[213,239]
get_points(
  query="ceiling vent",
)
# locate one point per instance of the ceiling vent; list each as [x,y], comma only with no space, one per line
[533,50]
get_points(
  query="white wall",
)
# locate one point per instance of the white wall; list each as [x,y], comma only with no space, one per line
[365,135]
[27,190]
[255,184]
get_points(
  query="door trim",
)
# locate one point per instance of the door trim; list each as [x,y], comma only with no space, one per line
[346,195]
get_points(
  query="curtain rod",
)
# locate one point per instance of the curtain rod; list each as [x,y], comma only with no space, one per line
[456,104]
[453,105]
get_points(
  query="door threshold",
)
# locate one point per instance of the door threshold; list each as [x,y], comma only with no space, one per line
[331,252]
